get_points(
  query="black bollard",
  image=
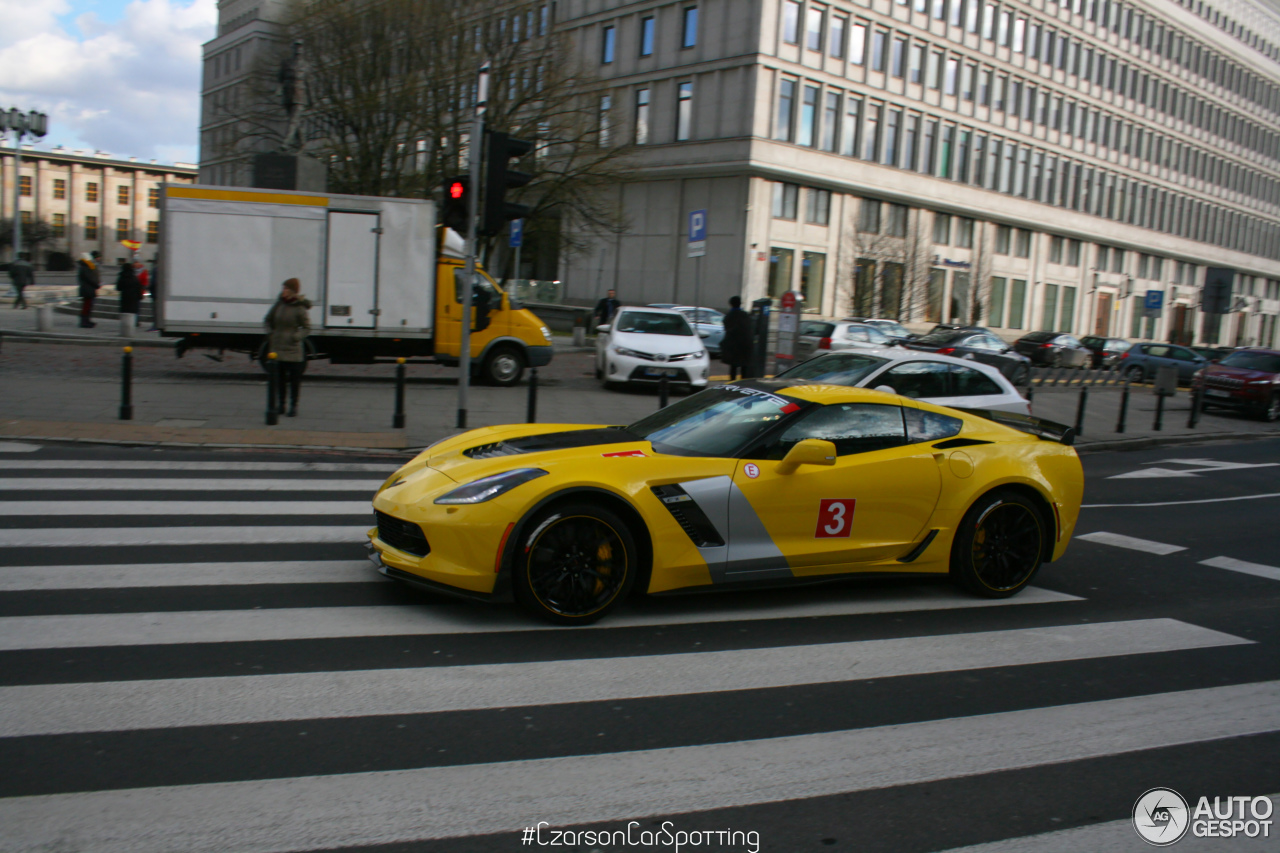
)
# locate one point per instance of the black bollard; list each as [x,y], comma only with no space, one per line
[397,421]
[126,386]
[273,414]
[1084,401]
[662,392]
[1159,424]
[1197,400]
[1124,406]
[531,408]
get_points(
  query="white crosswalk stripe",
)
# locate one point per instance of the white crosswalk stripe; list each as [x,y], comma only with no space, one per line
[435,719]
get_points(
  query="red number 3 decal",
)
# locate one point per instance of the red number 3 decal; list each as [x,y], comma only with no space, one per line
[835,518]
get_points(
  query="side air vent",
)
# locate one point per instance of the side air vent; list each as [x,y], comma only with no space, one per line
[692,520]
[402,535]
[959,442]
[488,451]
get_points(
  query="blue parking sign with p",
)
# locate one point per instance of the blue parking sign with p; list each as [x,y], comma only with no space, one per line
[1155,300]
[697,233]
[517,233]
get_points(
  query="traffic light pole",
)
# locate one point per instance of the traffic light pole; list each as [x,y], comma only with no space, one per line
[474,154]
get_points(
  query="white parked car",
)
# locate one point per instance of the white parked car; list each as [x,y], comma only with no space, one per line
[645,344]
[938,379]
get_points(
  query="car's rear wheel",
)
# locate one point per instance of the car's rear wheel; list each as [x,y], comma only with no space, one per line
[575,565]
[999,546]
[504,365]
[1271,409]
[1134,373]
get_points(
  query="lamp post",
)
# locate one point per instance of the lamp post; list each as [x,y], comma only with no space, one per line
[22,124]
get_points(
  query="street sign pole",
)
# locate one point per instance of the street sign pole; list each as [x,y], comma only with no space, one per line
[473,157]
[517,241]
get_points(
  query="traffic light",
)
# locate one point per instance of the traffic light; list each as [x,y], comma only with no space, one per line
[457,196]
[499,178]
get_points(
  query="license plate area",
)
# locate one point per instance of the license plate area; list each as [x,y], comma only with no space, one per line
[661,371]
[1217,392]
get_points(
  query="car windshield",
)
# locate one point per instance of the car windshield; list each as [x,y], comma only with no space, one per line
[835,369]
[716,422]
[1264,361]
[652,323]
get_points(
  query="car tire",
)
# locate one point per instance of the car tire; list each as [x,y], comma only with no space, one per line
[1134,374]
[999,545]
[504,365]
[1271,411]
[576,563]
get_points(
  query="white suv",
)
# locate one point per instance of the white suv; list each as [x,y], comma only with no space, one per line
[646,344]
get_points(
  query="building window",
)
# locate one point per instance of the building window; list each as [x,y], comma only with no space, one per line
[153,197]
[949,81]
[606,105]
[1055,249]
[1049,309]
[941,229]
[869,216]
[91,228]
[835,39]
[813,29]
[607,45]
[91,192]
[818,206]
[786,108]
[897,223]
[684,111]
[995,301]
[781,263]
[1004,236]
[813,269]
[808,117]
[26,218]
[1073,253]
[24,185]
[1022,244]
[59,226]
[59,188]
[122,229]
[646,37]
[858,44]
[791,22]
[915,63]
[831,122]
[1142,266]
[153,232]
[642,117]
[785,200]
[122,194]
[878,39]
[898,63]
[1117,260]
[690,35]
[1017,302]
[850,126]
[872,135]
[964,233]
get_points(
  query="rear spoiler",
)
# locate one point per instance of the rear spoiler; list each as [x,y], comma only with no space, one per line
[1039,427]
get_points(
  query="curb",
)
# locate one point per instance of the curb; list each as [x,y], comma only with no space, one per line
[85,340]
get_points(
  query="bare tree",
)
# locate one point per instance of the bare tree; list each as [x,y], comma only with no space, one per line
[382,92]
[979,275]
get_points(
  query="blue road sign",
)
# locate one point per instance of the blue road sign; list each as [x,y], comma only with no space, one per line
[697,233]
[1154,300]
[517,233]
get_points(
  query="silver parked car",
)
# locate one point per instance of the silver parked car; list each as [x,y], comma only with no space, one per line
[938,379]
[817,336]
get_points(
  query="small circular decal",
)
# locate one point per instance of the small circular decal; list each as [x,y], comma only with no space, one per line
[752,470]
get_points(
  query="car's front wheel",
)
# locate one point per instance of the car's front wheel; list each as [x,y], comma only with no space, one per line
[575,565]
[999,546]
[1271,409]
[1134,373]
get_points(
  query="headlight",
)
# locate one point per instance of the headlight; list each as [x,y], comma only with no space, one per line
[624,351]
[700,353]
[546,333]
[488,488]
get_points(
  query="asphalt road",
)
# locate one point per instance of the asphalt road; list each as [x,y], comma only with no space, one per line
[195,655]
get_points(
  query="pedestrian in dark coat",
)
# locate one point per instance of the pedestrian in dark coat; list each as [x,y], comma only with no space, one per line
[735,347]
[606,307]
[129,288]
[88,277]
[288,324]
[23,275]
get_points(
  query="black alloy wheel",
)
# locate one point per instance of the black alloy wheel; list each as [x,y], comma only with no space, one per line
[578,562]
[1135,373]
[1000,545]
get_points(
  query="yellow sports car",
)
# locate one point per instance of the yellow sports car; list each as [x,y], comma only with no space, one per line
[761,482]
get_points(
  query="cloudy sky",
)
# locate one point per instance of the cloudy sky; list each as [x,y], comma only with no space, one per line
[121,76]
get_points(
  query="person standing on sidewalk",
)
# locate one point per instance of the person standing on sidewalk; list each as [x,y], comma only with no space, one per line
[88,277]
[129,288]
[735,347]
[23,275]
[287,326]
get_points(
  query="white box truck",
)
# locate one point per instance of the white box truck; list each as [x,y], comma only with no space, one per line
[383,280]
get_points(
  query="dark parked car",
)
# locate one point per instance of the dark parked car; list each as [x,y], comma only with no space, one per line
[1105,351]
[977,344]
[1142,361]
[1053,348]
[1214,353]
[1248,379]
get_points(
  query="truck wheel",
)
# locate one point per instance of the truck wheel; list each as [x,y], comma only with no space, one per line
[503,365]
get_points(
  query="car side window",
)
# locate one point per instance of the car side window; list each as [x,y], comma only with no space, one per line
[1158,352]
[1068,341]
[859,335]
[1181,354]
[852,427]
[930,426]
[916,379]
[973,383]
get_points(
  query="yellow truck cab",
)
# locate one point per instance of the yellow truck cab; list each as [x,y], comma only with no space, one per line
[383,281]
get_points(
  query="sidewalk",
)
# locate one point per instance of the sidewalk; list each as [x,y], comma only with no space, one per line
[54,391]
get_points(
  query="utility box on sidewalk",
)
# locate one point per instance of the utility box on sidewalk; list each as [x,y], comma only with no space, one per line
[1166,381]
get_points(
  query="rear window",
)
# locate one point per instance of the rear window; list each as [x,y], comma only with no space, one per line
[1265,361]
[941,338]
[1039,337]
[816,329]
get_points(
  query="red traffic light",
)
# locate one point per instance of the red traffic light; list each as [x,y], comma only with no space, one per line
[456,189]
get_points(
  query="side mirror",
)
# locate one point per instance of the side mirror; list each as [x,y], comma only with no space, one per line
[602,329]
[811,451]
[888,389]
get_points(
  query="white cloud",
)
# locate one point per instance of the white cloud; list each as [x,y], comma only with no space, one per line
[130,87]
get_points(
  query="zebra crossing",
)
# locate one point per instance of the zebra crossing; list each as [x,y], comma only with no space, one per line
[196,656]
